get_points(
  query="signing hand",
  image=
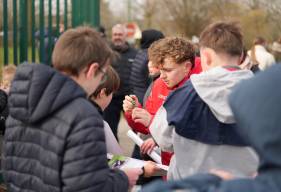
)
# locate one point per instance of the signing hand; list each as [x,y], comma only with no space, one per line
[130,102]
[142,116]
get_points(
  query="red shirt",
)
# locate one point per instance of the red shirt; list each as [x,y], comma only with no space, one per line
[158,95]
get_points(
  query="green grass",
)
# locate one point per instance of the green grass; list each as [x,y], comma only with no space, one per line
[11,55]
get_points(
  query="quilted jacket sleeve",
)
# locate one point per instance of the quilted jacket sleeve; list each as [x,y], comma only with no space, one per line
[85,164]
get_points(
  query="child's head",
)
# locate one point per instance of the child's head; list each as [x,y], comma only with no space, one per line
[103,94]
[174,57]
[259,41]
[8,75]
[221,43]
[153,71]
[82,54]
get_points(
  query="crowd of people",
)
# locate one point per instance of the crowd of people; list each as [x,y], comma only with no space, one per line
[212,109]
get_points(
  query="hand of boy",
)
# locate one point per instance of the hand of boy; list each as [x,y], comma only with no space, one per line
[147,146]
[142,116]
[150,168]
[222,174]
[130,102]
[133,175]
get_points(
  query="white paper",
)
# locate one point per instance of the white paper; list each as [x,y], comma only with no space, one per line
[112,146]
[136,163]
[139,142]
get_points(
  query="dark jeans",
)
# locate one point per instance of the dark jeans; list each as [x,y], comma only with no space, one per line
[112,113]
[136,152]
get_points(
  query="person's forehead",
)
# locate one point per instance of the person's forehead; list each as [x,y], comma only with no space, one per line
[169,63]
[118,30]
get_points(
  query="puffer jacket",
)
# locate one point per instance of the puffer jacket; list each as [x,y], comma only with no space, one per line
[54,138]
[139,77]
[3,110]
[123,66]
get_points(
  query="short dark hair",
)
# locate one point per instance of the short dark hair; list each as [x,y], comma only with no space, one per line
[259,40]
[111,84]
[223,37]
[79,47]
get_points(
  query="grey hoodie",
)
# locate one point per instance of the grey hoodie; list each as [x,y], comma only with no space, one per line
[191,156]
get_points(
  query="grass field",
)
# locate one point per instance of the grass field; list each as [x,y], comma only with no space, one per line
[11,55]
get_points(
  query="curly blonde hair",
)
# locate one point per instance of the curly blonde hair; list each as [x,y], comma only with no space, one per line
[176,48]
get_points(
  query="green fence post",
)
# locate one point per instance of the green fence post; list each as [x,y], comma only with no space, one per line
[5,25]
[75,13]
[65,15]
[15,32]
[86,11]
[42,32]
[95,13]
[23,29]
[33,50]
[50,34]
[83,12]
[58,19]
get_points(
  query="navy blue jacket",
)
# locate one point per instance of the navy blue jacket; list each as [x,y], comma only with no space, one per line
[257,109]
[196,121]
[54,138]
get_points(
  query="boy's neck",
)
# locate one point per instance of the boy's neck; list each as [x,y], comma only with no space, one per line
[99,102]
[224,60]
[82,82]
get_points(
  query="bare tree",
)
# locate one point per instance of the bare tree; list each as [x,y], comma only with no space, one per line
[189,17]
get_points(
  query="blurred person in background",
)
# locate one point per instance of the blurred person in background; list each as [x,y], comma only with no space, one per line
[276,49]
[122,65]
[259,55]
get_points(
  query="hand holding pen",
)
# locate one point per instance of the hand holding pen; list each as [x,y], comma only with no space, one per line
[130,102]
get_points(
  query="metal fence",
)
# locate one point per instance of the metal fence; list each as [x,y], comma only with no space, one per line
[31,27]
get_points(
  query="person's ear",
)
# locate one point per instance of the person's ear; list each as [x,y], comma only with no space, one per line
[92,70]
[102,92]
[207,53]
[187,67]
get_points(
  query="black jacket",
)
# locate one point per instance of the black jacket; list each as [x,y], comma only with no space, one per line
[3,110]
[54,138]
[257,109]
[139,74]
[123,66]
[139,78]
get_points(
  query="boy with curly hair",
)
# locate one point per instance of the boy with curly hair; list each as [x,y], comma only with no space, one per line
[175,58]
[196,122]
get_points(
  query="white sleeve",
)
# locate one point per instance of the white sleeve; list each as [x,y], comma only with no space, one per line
[161,132]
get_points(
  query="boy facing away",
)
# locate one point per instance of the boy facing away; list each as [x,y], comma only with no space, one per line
[54,138]
[196,122]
